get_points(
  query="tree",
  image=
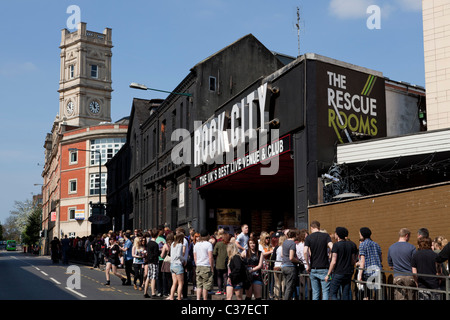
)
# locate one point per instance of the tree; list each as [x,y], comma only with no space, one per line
[31,235]
[10,230]
[17,223]
[23,209]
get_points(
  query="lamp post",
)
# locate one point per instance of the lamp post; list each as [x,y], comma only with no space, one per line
[139,86]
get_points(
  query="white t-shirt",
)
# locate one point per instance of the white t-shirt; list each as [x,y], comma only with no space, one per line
[176,254]
[279,257]
[299,248]
[201,249]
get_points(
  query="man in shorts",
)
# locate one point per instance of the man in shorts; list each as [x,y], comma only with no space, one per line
[204,261]
[152,261]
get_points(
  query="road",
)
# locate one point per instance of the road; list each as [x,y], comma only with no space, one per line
[29,277]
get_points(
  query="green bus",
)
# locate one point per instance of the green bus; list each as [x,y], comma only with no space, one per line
[11,245]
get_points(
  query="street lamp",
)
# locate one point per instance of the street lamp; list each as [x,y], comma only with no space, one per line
[139,86]
[99,171]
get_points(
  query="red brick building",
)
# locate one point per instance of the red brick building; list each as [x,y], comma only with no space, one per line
[82,138]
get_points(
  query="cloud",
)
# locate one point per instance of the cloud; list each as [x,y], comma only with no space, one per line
[17,68]
[349,9]
[356,9]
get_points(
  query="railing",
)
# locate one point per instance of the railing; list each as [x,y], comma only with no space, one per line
[379,287]
[96,35]
[274,286]
[382,287]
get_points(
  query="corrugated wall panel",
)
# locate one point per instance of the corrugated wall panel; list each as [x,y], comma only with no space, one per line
[394,147]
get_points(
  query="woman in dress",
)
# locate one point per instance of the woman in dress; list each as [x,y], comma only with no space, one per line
[165,267]
[254,259]
[138,253]
[236,272]
[278,276]
[113,260]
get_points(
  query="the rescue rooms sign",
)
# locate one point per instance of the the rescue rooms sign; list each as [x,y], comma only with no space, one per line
[351,104]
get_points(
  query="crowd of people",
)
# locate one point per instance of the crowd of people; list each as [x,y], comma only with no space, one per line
[161,262]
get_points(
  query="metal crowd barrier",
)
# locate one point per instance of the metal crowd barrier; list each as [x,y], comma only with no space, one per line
[379,287]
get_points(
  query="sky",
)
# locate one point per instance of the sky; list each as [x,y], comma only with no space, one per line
[157,42]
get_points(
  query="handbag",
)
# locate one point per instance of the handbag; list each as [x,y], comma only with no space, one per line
[165,266]
[167,259]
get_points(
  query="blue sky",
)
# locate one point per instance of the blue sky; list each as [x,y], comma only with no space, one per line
[157,42]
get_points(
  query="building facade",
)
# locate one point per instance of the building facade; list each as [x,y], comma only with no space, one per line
[309,107]
[400,181]
[82,137]
[157,190]
[256,154]
[436,28]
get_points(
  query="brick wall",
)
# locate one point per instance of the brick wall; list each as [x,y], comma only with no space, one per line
[73,171]
[64,211]
[386,214]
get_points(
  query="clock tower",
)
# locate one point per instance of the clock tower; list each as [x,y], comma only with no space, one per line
[85,79]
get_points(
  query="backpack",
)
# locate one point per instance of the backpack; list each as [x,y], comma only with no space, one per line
[98,246]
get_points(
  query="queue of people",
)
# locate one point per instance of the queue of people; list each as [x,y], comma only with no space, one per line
[161,262]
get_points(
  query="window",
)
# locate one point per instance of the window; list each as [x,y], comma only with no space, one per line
[107,147]
[72,213]
[154,144]
[163,135]
[212,84]
[73,186]
[174,120]
[71,71]
[181,115]
[73,157]
[94,71]
[93,184]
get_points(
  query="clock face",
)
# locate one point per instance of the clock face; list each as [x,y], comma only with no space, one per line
[70,107]
[94,106]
